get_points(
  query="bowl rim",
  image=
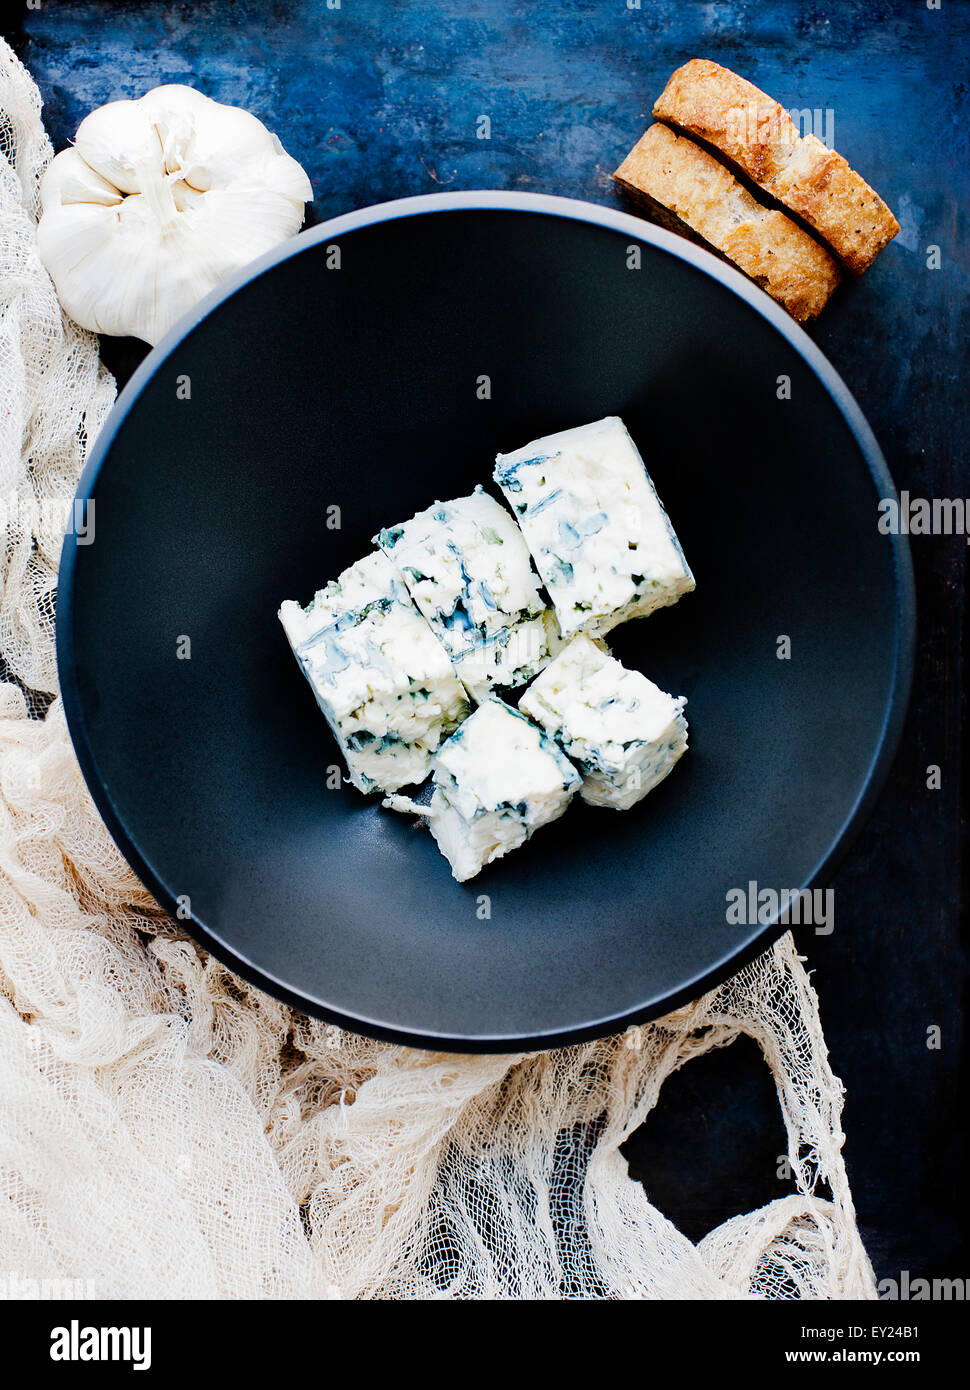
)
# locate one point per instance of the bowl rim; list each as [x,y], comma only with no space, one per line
[638,230]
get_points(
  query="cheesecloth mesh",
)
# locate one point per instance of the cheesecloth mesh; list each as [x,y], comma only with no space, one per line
[167,1131]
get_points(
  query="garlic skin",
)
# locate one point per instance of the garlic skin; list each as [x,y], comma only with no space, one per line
[157,202]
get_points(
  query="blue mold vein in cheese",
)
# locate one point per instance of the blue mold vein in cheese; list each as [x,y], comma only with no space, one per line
[467,567]
[623,732]
[600,538]
[380,675]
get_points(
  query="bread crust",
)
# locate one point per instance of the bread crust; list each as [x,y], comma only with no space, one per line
[685,188]
[757,136]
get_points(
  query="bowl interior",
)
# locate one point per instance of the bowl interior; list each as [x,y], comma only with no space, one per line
[361,387]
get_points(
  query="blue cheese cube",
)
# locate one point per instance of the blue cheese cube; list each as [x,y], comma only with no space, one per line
[624,733]
[381,677]
[600,538]
[495,782]
[468,570]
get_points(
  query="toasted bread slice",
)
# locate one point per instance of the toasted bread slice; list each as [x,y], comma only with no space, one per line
[688,190]
[758,138]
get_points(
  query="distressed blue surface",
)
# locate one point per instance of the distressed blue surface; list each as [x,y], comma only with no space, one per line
[383,98]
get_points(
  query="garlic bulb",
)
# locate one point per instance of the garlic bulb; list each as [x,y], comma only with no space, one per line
[157,202]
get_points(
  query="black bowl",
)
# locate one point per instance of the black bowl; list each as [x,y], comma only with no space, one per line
[362,385]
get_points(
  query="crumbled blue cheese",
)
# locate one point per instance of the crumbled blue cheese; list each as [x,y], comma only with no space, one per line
[495,782]
[468,570]
[600,538]
[380,675]
[624,733]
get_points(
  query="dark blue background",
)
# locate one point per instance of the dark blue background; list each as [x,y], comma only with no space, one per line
[379,99]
